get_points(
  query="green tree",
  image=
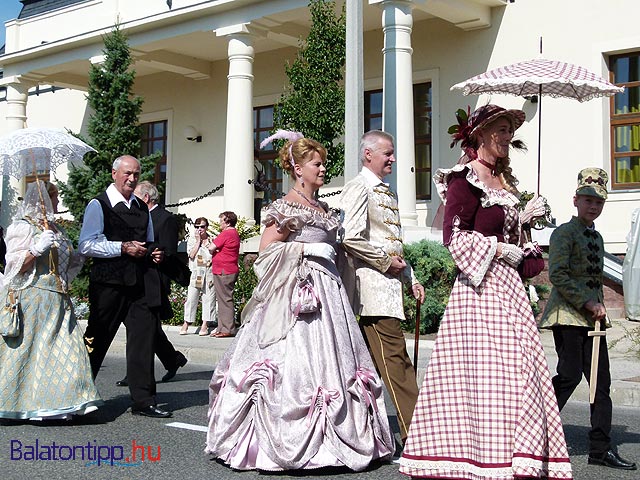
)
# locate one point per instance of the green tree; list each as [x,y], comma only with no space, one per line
[313,102]
[113,127]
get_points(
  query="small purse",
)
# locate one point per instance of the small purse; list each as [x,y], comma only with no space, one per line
[10,315]
[304,298]
[532,263]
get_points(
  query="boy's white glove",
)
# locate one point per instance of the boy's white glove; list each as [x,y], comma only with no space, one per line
[322,250]
[512,254]
[43,244]
[534,208]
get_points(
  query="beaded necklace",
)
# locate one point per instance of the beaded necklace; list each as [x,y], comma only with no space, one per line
[313,203]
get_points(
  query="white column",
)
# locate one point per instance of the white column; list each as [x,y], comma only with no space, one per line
[397,107]
[238,158]
[354,91]
[16,119]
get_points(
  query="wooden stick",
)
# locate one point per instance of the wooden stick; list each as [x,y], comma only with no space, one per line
[595,356]
[417,337]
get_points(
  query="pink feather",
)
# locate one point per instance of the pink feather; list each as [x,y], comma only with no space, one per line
[282,134]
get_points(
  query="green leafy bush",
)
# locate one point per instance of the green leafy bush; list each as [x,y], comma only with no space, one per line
[247,281]
[436,271]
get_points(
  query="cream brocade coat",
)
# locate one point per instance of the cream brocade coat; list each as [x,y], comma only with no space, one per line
[372,235]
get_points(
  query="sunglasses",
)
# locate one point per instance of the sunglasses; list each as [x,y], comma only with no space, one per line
[201,226]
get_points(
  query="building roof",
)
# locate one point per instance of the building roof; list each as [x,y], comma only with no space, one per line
[37,7]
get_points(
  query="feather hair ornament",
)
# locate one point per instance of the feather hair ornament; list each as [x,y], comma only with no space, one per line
[280,134]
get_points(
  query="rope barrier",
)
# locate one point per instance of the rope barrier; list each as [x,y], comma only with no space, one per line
[198,198]
[266,188]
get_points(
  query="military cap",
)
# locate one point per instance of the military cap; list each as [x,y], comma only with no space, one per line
[592,181]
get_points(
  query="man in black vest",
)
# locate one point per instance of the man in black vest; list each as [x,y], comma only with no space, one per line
[118,233]
[165,232]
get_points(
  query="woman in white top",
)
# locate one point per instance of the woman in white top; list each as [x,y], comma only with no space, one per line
[201,281]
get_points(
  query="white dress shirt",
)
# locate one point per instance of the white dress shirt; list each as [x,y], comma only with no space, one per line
[93,242]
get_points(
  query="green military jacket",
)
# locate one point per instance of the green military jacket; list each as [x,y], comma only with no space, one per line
[576,260]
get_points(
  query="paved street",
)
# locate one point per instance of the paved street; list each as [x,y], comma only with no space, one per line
[176,445]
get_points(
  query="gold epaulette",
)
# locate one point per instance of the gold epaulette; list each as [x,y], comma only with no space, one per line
[394,239]
[385,192]
[393,209]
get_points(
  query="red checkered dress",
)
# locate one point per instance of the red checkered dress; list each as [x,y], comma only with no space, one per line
[486,409]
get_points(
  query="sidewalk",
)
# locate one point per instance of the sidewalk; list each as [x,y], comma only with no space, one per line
[625,365]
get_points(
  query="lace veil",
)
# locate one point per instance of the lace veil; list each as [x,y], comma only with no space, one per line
[36,205]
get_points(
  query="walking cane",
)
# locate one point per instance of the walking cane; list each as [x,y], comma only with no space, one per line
[417,337]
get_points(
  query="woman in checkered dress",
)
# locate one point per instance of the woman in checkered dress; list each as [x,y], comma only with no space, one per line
[486,408]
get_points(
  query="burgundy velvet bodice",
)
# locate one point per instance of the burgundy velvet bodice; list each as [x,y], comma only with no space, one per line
[463,201]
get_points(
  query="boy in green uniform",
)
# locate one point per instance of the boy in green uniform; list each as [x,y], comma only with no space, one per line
[576,302]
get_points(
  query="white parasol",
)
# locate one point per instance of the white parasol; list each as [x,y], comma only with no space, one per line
[30,150]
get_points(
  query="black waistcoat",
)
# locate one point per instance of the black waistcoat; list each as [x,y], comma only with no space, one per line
[121,224]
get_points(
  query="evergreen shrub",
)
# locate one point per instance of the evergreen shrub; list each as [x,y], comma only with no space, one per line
[436,271]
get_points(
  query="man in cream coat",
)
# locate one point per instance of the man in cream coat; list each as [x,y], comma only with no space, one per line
[373,238]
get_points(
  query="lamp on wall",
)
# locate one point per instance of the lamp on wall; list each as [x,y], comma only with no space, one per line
[191,134]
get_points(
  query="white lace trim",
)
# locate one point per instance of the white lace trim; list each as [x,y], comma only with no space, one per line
[435,467]
[476,279]
[549,468]
[489,196]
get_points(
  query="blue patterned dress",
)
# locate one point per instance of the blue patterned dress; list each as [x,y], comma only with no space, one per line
[45,371]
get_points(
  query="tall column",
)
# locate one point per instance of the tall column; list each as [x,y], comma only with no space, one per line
[354,91]
[238,158]
[397,107]
[16,118]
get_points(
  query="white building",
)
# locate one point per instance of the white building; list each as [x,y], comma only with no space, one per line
[218,66]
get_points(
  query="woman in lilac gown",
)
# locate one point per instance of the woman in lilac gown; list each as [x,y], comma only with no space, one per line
[298,390]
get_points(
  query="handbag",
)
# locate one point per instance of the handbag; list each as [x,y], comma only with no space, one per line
[532,263]
[10,315]
[304,298]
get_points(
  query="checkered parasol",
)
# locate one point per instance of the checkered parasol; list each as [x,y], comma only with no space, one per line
[540,77]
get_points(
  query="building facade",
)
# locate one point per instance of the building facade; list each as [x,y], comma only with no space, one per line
[214,69]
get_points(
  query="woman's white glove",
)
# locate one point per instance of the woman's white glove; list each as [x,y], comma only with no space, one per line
[534,208]
[43,244]
[322,250]
[512,254]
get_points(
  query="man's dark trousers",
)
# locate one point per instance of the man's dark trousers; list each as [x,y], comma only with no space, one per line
[112,305]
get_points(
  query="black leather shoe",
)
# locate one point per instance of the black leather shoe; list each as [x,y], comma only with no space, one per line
[151,411]
[181,361]
[123,382]
[613,460]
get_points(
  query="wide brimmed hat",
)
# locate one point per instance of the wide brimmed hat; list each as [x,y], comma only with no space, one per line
[489,113]
[469,123]
[592,181]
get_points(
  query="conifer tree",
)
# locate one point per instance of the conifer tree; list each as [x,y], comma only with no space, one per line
[313,102]
[113,126]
